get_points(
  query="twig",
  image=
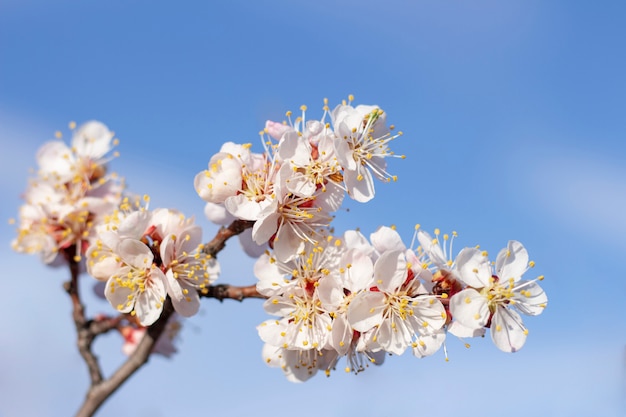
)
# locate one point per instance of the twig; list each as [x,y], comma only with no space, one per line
[98,393]
[223,291]
[101,389]
[219,241]
[84,336]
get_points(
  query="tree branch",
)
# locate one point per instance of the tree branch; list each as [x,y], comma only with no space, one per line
[232,292]
[101,389]
[84,336]
[98,393]
[219,241]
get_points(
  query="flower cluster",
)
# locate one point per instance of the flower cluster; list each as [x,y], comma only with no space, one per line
[70,195]
[146,255]
[347,297]
[331,297]
[290,190]
[359,299]
[482,294]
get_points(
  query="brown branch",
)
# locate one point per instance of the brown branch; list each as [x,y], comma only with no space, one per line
[223,291]
[84,337]
[101,389]
[100,392]
[103,325]
[219,241]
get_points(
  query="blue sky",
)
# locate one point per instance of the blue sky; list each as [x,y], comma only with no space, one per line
[513,121]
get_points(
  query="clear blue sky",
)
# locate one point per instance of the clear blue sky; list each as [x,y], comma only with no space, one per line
[514,122]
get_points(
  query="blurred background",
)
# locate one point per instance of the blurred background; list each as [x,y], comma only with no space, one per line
[514,126]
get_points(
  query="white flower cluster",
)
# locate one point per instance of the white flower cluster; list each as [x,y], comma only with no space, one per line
[70,194]
[291,189]
[146,255]
[363,300]
[332,297]
[348,296]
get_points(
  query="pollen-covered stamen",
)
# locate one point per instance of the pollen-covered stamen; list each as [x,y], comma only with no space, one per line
[366,148]
[303,217]
[256,185]
[498,293]
[135,280]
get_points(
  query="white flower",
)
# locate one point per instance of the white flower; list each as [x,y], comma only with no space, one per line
[397,307]
[71,195]
[187,269]
[307,168]
[145,256]
[292,290]
[138,285]
[361,146]
[84,161]
[493,297]
[221,180]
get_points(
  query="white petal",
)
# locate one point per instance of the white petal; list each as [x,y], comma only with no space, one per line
[173,286]
[149,304]
[189,304]
[278,306]
[529,298]
[396,339]
[294,149]
[189,239]
[341,336]
[360,184]
[429,313]
[469,308]
[512,261]
[272,355]
[386,239]
[507,330]
[271,280]
[135,224]
[218,214]
[458,330]
[119,296]
[359,270]
[272,332]
[390,271]
[265,228]
[103,266]
[366,311]
[433,250]
[92,140]
[287,243]
[244,208]
[56,158]
[135,253]
[249,246]
[330,292]
[344,154]
[355,239]
[474,268]
[429,344]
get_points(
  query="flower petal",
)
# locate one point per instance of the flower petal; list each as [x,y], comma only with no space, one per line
[507,330]
[189,304]
[473,267]
[529,298]
[390,270]
[512,261]
[135,253]
[469,308]
[366,311]
[428,344]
